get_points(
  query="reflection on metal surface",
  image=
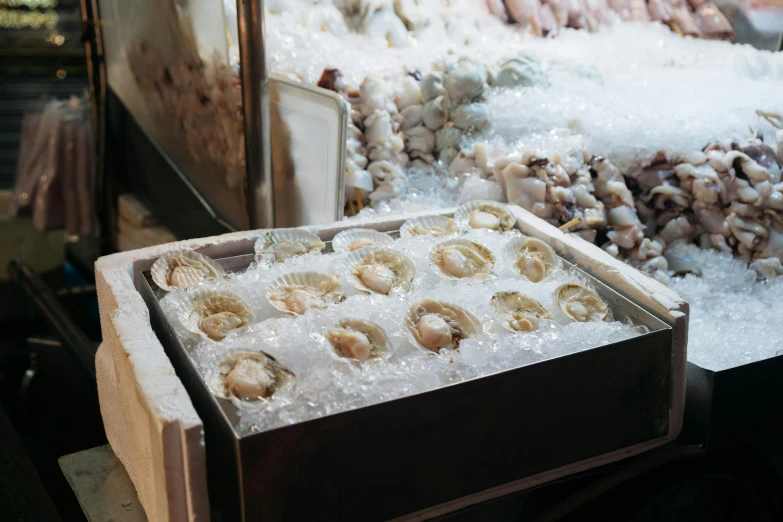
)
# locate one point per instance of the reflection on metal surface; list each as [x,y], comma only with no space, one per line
[255,101]
[308,153]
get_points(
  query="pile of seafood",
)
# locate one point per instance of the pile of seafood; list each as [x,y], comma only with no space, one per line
[429,115]
[696,18]
[302,333]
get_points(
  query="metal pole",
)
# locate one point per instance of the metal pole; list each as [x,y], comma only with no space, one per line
[255,101]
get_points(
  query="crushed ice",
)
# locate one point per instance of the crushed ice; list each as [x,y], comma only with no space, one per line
[326,384]
[734,318]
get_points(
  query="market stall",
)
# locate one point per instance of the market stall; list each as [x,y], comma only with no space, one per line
[617,142]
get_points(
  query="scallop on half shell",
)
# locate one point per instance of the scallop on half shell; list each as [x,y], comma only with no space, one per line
[249,378]
[437,226]
[356,238]
[532,258]
[460,259]
[580,303]
[485,214]
[297,292]
[433,325]
[213,314]
[518,312]
[184,269]
[279,245]
[379,270]
[358,339]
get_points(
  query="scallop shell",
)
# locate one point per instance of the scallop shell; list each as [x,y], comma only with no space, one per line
[250,379]
[212,314]
[356,238]
[358,340]
[445,325]
[297,292]
[485,214]
[184,269]
[285,243]
[580,303]
[379,270]
[460,256]
[518,312]
[531,258]
[437,226]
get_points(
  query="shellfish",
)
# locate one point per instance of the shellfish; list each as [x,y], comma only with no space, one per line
[580,303]
[460,258]
[433,325]
[356,238]
[214,314]
[433,225]
[518,312]
[295,293]
[284,244]
[379,270]
[184,269]
[249,377]
[358,339]
[532,258]
[485,214]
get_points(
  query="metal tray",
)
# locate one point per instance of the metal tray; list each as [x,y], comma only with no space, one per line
[396,458]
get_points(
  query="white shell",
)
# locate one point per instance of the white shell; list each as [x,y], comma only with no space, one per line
[285,243]
[203,303]
[376,338]
[473,259]
[447,320]
[356,238]
[437,226]
[531,258]
[391,268]
[518,312]
[240,370]
[191,268]
[485,214]
[309,289]
[580,303]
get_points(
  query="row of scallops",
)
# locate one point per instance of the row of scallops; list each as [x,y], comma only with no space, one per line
[252,377]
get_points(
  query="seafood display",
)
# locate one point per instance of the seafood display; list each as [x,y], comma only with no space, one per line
[315,334]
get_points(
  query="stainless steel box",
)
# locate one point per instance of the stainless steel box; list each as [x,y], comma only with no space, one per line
[431,452]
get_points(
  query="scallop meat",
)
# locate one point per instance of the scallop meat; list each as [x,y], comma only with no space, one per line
[580,303]
[298,292]
[434,325]
[518,312]
[485,214]
[279,245]
[532,258]
[250,378]
[379,270]
[460,259]
[214,314]
[358,340]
